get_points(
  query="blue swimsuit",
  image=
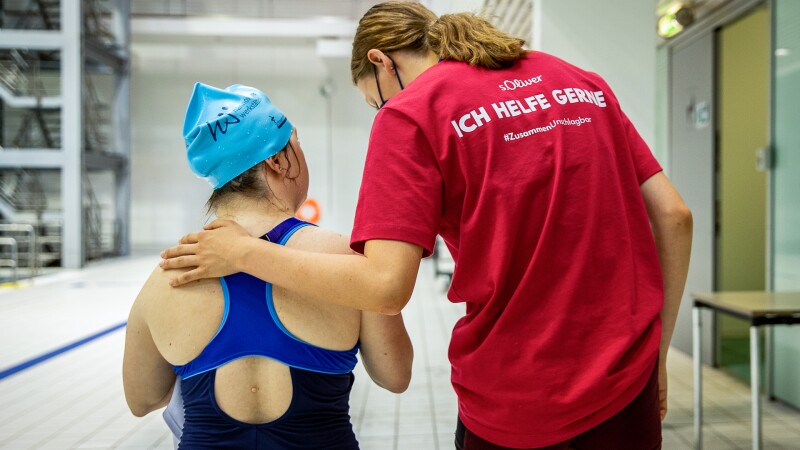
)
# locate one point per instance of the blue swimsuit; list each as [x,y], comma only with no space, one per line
[319,413]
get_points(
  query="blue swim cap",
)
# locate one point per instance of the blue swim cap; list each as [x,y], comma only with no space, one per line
[229,131]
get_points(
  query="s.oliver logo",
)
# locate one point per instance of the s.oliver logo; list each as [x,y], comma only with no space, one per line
[512,85]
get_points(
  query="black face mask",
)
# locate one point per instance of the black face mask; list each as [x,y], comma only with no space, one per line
[375,72]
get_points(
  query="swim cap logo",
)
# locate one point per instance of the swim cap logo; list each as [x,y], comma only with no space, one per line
[278,124]
[221,126]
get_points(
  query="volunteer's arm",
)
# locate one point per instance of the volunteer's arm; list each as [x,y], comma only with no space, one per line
[671,222]
[147,377]
[386,350]
[381,280]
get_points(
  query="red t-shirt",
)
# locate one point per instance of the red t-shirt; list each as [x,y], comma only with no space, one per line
[531,175]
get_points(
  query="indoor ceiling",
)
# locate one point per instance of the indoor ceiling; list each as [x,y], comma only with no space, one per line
[271,9]
[704,7]
[329,25]
[305,19]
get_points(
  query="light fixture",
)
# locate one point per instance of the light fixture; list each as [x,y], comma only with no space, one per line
[679,16]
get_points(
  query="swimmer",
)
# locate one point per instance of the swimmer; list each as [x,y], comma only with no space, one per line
[259,366]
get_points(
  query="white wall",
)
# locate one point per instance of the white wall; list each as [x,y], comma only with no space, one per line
[614,39]
[167,199]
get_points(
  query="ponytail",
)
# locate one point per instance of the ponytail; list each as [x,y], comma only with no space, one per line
[473,40]
[410,26]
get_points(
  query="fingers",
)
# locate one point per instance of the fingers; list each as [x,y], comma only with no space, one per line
[187,277]
[179,250]
[219,223]
[662,387]
[191,238]
[180,262]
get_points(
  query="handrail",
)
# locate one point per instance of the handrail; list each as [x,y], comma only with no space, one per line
[29,101]
[32,253]
[10,242]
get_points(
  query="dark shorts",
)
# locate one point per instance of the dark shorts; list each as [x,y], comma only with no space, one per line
[637,426]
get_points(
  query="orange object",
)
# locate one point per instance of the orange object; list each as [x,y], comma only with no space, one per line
[309,211]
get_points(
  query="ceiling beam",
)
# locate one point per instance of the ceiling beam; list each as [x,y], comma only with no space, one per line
[242,27]
[32,40]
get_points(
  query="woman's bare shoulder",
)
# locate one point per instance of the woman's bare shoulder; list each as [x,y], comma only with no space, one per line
[162,304]
[320,240]
[182,318]
[157,287]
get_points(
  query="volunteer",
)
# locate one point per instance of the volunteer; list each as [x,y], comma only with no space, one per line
[571,245]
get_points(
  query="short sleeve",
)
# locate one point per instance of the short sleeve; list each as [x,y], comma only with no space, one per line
[644,162]
[401,189]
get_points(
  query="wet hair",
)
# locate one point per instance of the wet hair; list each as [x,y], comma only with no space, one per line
[409,26]
[249,184]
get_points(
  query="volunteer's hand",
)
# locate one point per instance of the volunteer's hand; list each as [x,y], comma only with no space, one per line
[662,387]
[213,253]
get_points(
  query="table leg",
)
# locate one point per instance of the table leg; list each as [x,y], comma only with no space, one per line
[697,359]
[755,387]
[768,363]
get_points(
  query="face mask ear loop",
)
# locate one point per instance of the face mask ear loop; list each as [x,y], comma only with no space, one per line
[394,66]
[380,94]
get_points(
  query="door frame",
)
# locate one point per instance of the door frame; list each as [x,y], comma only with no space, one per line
[705,28]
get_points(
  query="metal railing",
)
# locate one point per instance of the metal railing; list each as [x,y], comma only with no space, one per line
[23,190]
[95,136]
[46,15]
[32,249]
[515,17]
[11,262]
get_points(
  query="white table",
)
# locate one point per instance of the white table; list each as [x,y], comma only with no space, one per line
[759,309]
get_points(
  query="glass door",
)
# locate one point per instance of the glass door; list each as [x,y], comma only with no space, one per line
[742,85]
[785,187]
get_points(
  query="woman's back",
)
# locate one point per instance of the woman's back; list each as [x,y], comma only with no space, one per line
[259,401]
[259,367]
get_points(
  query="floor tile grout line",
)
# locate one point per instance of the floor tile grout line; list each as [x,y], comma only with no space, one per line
[19,433]
[396,436]
[363,409]
[141,423]
[685,441]
[440,317]
[36,360]
[426,352]
[103,401]
[166,435]
[101,427]
[95,356]
[62,372]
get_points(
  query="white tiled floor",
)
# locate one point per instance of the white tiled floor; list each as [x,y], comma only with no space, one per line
[75,400]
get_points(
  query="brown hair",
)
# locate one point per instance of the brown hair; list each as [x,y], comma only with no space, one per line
[410,26]
[249,184]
